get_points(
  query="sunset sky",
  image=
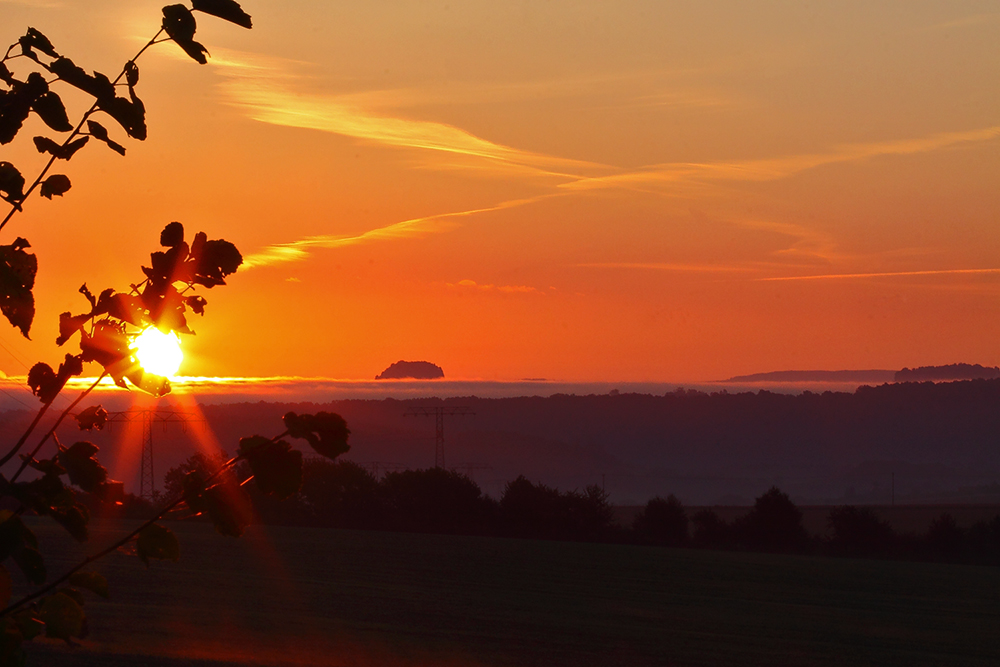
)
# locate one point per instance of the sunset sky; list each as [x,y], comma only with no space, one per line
[575,190]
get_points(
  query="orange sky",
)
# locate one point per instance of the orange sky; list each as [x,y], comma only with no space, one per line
[642,191]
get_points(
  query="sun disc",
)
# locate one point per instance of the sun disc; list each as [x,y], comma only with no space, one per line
[158,353]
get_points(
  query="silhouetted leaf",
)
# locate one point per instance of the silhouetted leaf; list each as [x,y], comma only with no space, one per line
[16,104]
[131,74]
[31,563]
[62,615]
[124,307]
[326,432]
[62,152]
[6,586]
[28,623]
[93,417]
[51,110]
[69,324]
[229,10]
[107,345]
[11,652]
[92,581]
[214,260]
[155,385]
[45,466]
[181,25]
[157,542]
[100,133]
[36,39]
[56,185]
[74,518]
[6,76]
[46,383]
[13,533]
[11,183]
[277,468]
[196,303]
[75,594]
[84,470]
[130,114]
[87,295]
[172,235]
[17,278]
[97,85]
[228,506]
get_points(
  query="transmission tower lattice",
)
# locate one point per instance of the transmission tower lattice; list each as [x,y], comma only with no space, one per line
[147,417]
[439,413]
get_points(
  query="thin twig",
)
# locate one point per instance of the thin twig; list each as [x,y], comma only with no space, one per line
[121,542]
[83,395]
[15,207]
[20,443]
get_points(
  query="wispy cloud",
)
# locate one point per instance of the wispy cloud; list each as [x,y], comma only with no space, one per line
[679,267]
[41,4]
[964,22]
[259,87]
[507,289]
[280,253]
[885,274]
[777,168]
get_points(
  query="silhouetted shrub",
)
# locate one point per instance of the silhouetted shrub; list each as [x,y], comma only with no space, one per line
[662,521]
[436,501]
[711,531]
[859,532]
[984,541]
[591,514]
[342,494]
[173,481]
[540,512]
[532,510]
[944,538]
[774,524]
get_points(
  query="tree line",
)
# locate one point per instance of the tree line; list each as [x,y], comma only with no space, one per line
[345,495]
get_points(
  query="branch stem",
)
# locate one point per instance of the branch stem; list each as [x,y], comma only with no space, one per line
[20,443]
[65,413]
[17,206]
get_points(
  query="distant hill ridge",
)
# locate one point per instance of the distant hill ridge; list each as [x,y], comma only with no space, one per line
[921,374]
[949,372]
[818,376]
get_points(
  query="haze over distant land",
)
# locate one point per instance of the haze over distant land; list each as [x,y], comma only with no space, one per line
[935,441]
[412,370]
[817,376]
[922,374]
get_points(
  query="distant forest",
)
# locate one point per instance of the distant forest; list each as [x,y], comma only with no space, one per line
[345,495]
[924,442]
[950,372]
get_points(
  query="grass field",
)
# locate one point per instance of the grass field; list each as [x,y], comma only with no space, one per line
[301,596]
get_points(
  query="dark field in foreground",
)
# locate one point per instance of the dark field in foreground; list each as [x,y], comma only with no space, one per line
[299,596]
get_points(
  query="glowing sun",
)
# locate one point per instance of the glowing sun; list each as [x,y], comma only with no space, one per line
[158,353]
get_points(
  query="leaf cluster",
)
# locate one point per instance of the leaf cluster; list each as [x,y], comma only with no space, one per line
[32,93]
[161,301]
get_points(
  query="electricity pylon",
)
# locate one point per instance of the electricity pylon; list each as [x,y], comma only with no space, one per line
[439,413]
[147,417]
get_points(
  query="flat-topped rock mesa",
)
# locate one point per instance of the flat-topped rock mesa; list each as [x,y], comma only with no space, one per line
[411,370]
[949,372]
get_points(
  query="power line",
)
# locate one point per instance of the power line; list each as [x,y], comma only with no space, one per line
[439,413]
[147,417]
